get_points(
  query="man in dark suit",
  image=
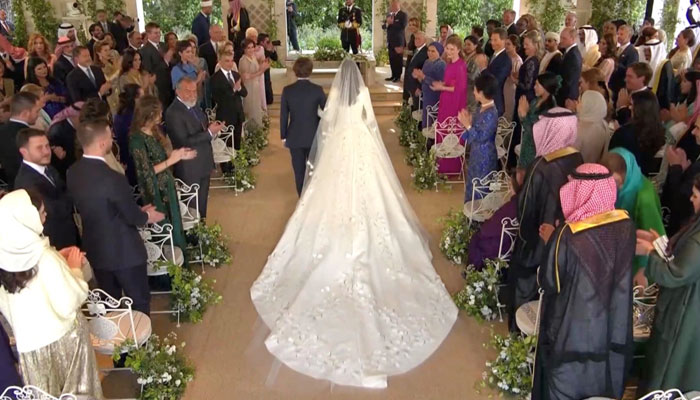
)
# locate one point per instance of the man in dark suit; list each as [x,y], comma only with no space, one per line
[110,218]
[120,30]
[86,81]
[37,174]
[62,137]
[228,92]
[551,61]
[270,54]
[509,22]
[24,110]
[153,61]
[7,28]
[349,22]
[292,24]
[201,23]
[208,51]
[500,65]
[187,126]
[96,34]
[299,117]
[570,67]
[101,16]
[395,27]
[637,79]
[411,84]
[626,55]
[491,25]
[64,63]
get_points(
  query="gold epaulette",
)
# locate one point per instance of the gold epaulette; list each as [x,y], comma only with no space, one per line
[560,153]
[598,220]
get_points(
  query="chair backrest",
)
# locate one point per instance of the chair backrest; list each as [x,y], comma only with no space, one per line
[105,313]
[493,189]
[644,304]
[158,240]
[666,216]
[223,146]
[431,113]
[447,138]
[30,392]
[504,135]
[510,230]
[211,113]
[674,394]
[188,197]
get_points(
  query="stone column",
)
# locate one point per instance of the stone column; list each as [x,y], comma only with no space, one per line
[431,10]
[378,34]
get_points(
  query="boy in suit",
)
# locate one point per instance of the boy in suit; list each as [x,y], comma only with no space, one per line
[228,92]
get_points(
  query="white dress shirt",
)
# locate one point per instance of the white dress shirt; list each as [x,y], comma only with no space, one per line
[40,169]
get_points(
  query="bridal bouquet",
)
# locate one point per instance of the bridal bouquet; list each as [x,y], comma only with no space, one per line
[456,236]
[162,371]
[479,298]
[215,252]
[511,372]
[192,295]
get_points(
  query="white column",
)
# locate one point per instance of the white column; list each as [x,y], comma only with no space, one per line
[280,15]
[378,41]
[431,11]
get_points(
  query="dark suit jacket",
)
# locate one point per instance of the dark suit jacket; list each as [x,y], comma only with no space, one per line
[109,214]
[91,47]
[153,61]
[500,67]
[229,103]
[4,32]
[80,87]
[120,37]
[512,30]
[61,68]
[410,84]
[59,226]
[187,130]
[63,134]
[665,88]
[208,53]
[554,65]
[570,75]
[200,28]
[10,158]
[299,113]
[627,58]
[395,33]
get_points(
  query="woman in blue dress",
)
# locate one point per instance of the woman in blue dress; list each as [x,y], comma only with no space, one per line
[57,95]
[480,133]
[433,70]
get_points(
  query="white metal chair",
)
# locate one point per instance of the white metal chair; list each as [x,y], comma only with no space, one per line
[504,135]
[417,114]
[448,146]
[224,152]
[666,216]
[211,113]
[643,311]
[30,392]
[188,197]
[509,229]
[671,394]
[488,195]
[431,113]
[112,322]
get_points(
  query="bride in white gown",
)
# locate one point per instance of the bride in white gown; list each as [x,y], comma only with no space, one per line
[349,293]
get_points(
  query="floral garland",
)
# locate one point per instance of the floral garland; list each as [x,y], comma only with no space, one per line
[479,298]
[511,372]
[242,177]
[214,249]
[404,122]
[191,294]
[162,371]
[456,235]
[21,37]
[47,25]
[425,175]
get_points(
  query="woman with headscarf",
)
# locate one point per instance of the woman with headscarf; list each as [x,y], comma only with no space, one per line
[433,70]
[588,46]
[593,133]
[675,337]
[41,291]
[637,195]
[238,22]
[538,202]
[585,346]
[546,86]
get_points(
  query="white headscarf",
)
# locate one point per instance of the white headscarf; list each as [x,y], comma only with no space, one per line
[658,55]
[66,27]
[21,241]
[590,39]
[592,133]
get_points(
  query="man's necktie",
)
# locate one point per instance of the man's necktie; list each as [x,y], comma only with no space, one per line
[91,76]
[47,174]
[194,112]
[230,79]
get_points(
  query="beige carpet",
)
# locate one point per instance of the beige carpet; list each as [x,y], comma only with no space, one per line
[226,348]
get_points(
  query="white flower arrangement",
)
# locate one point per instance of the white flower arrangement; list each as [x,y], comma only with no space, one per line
[215,251]
[511,372]
[456,235]
[479,298]
[425,175]
[242,177]
[192,295]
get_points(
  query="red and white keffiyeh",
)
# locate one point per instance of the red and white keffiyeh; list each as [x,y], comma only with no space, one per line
[555,130]
[591,190]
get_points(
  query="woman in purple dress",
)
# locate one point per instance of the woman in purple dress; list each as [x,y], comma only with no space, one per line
[433,70]
[453,95]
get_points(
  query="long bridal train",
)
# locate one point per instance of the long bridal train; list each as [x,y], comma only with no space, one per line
[349,293]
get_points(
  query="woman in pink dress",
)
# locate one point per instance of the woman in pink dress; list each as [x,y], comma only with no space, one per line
[453,95]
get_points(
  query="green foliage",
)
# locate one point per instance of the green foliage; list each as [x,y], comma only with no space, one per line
[425,175]
[382,58]
[161,369]
[461,14]
[215,252]
[113,5]
[405,124]
[456,235]
[21,38]
[177,15]
[271,22]
[479,298]
[550,14]
[324,13]
[669,20]
[329,49]
[631,11]
[310,36]
[44,18]
[510,373]
[192,295]
[242,177]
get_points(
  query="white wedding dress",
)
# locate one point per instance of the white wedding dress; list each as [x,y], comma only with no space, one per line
[349,293]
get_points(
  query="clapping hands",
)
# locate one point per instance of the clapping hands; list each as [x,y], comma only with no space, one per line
[73,256]
[153,214]
[677,156]
[465,118]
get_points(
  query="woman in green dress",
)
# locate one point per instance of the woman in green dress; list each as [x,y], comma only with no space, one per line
[672,356]
[149,148]
[546,87]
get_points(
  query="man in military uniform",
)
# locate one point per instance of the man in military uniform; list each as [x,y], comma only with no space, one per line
[349,21]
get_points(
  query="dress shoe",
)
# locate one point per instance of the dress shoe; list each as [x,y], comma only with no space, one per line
[396,80]
[390,79]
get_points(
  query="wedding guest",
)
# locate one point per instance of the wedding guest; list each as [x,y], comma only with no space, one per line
[7,28]
[411,29]
[105,202]
[7,86]
[41,291]
[24,110]
[110,69]
[36,174]
[684,112]
[228,93]
[626,56]
[270,55]
[591,79]
[43,121]
[570,67]
[135,40]
[500,66]
[453,96]
[227,47]
[551,61]
[185,65]
[546,87]
[653,52]
[131,69]
[679,182]
[122,27]
[209,50]
[54,92]
[299,119]
[512,47]
[122,125]
[637,79]
[101,19]
[95,110]
[200,64]
[491,25]
[433,71]
[636,195]
[606,63]
[238,21]
[147,146]
[62,137]
[593,132]
[96,34]
[86,80]
[64,62]
[395,26]
[38,46]
[680,56]
[202,22]
[291,14]
[509,22]
[170,47]
[538,203]
[9,375]
[153,61]
[480,135]
[472,54]
[528,72]
[586,279]
[252,73]
[415,62]
[188,127]
[644,135]
[588,46]
[68,30]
